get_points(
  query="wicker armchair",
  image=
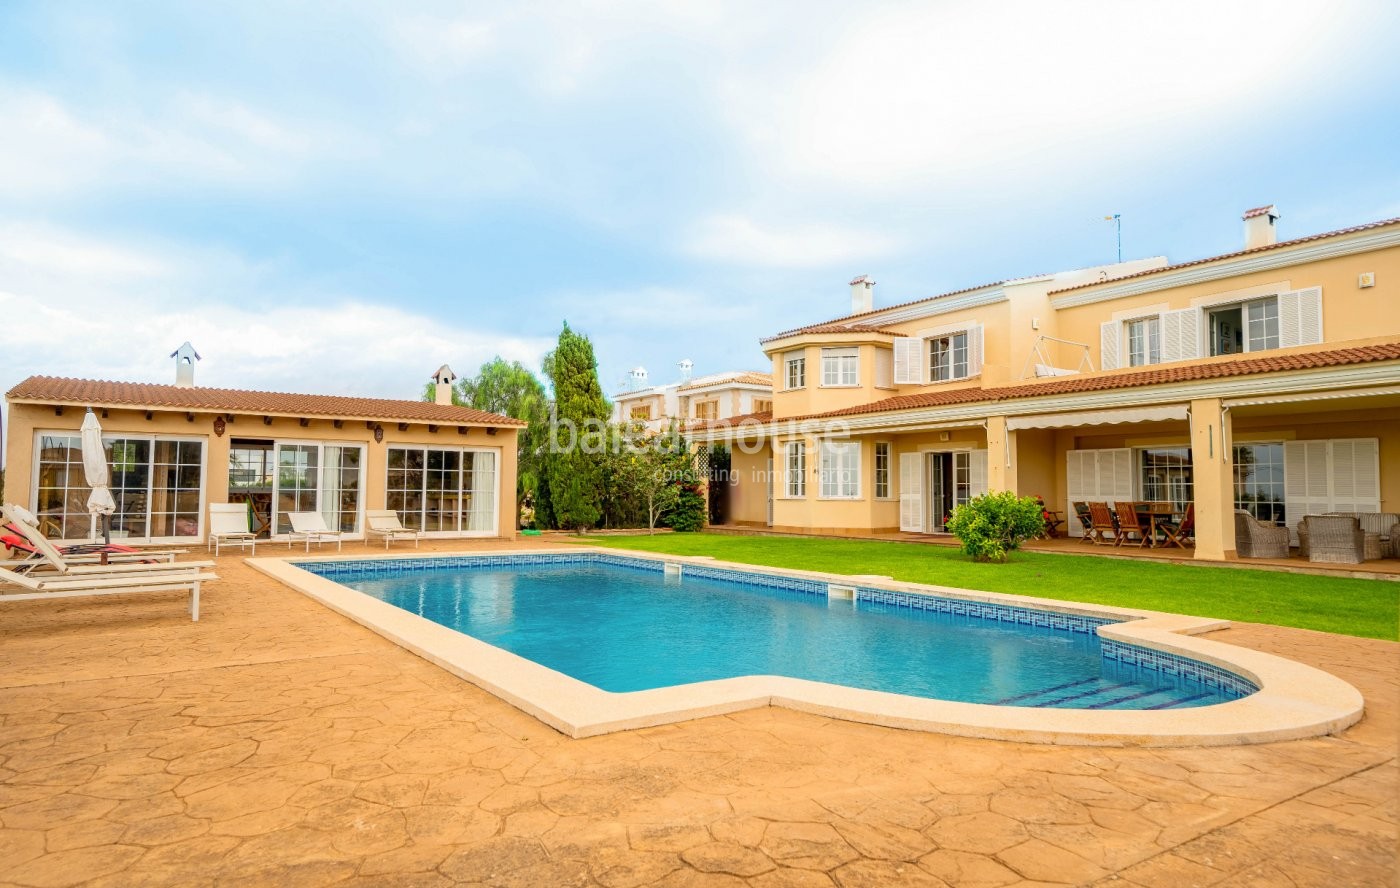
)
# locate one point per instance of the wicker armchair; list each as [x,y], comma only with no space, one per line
[1383,525]
[1254,539]
[1335,539]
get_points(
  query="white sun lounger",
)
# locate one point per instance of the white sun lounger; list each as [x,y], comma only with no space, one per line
[311,526]
[386,523]
[228,526]
[61,578]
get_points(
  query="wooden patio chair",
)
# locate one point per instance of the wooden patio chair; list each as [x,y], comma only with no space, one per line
[1180,533]
[1130,521]
[1086,522]
[1103,529]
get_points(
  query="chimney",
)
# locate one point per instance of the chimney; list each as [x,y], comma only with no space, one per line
[862,295]
[638,377]
[442,385]
[1259,230]
[686,365]
[185,356]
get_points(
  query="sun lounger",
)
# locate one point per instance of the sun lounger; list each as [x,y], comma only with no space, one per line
[311,526]
[386,523]
[228,526]
[60,577]
[98,553]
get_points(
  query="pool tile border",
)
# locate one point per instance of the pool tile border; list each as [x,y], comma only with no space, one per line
[1293,701]
[1210,676]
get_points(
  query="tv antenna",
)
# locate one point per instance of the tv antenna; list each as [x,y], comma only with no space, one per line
[1117,220]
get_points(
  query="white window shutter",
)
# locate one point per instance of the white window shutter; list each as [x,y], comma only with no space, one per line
[1110,343]
[1181,335]
[977,473]
[908,361]
[884,368]
[974,350]
[1367,467]
[1077,486]
[911,492]
[1300,317]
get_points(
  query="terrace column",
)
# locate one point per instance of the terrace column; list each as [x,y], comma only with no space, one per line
[1212,476]
[1001,455]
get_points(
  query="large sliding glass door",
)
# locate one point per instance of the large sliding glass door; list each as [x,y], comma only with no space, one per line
[157,484]
[318,477]
[443,490]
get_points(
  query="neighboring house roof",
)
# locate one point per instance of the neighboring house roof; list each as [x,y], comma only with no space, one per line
[702,425]
[1278,246]
[739,377]
[136,395]
[1121,379]
[849,324]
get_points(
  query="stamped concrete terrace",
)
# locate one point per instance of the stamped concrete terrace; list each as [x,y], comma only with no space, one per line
[274,742]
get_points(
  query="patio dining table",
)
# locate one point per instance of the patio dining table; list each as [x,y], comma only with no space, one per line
[1156,513]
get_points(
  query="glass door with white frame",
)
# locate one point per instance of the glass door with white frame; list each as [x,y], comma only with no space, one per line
[314,477]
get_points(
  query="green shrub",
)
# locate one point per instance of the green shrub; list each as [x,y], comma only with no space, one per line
[688,515]
[992,525]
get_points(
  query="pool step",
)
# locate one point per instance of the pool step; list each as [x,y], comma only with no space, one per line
[1100,693]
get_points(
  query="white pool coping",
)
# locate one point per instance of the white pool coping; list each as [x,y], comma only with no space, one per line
[1294,700]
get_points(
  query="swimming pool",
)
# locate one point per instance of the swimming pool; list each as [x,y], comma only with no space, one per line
[1137,649]
[626,624]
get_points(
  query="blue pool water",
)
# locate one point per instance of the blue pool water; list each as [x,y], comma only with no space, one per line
[621,625]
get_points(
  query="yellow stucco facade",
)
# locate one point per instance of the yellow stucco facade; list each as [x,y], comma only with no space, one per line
[1267,379]
[41,473]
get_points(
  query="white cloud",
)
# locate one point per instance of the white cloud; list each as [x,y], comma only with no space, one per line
[956,96]
[84,307]
[742,240]
[57,148]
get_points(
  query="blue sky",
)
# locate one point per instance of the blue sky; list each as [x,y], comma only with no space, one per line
[338,197]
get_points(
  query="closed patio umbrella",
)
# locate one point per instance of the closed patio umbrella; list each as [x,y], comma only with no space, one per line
[95,472]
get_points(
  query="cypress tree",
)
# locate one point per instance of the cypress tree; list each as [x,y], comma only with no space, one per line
[571,472]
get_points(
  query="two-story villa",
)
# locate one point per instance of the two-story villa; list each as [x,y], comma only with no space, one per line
[690,399]
[1266,379]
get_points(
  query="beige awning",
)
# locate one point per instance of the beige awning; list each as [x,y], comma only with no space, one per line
[1172,413]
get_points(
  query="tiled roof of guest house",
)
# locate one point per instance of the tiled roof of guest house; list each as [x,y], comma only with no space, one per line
[140,395]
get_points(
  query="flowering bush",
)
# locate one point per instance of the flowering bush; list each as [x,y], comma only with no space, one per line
[992,525]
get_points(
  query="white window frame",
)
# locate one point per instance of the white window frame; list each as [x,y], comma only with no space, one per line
[840,470]
[1246,323]
[794,361]
[201,524]
[882,449]
[497,454]
[320,444]
[841,367]
[795,470]
[1150,351]
[951,355]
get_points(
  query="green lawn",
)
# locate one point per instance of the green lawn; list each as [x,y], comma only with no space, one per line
[1368,608]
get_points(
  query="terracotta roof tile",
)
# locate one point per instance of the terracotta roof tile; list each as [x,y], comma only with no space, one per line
[701,426]
[743,377]
[1278,246]
[53,389]
[1257,211]
[1132,379]
[849,324]
[1122,379]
